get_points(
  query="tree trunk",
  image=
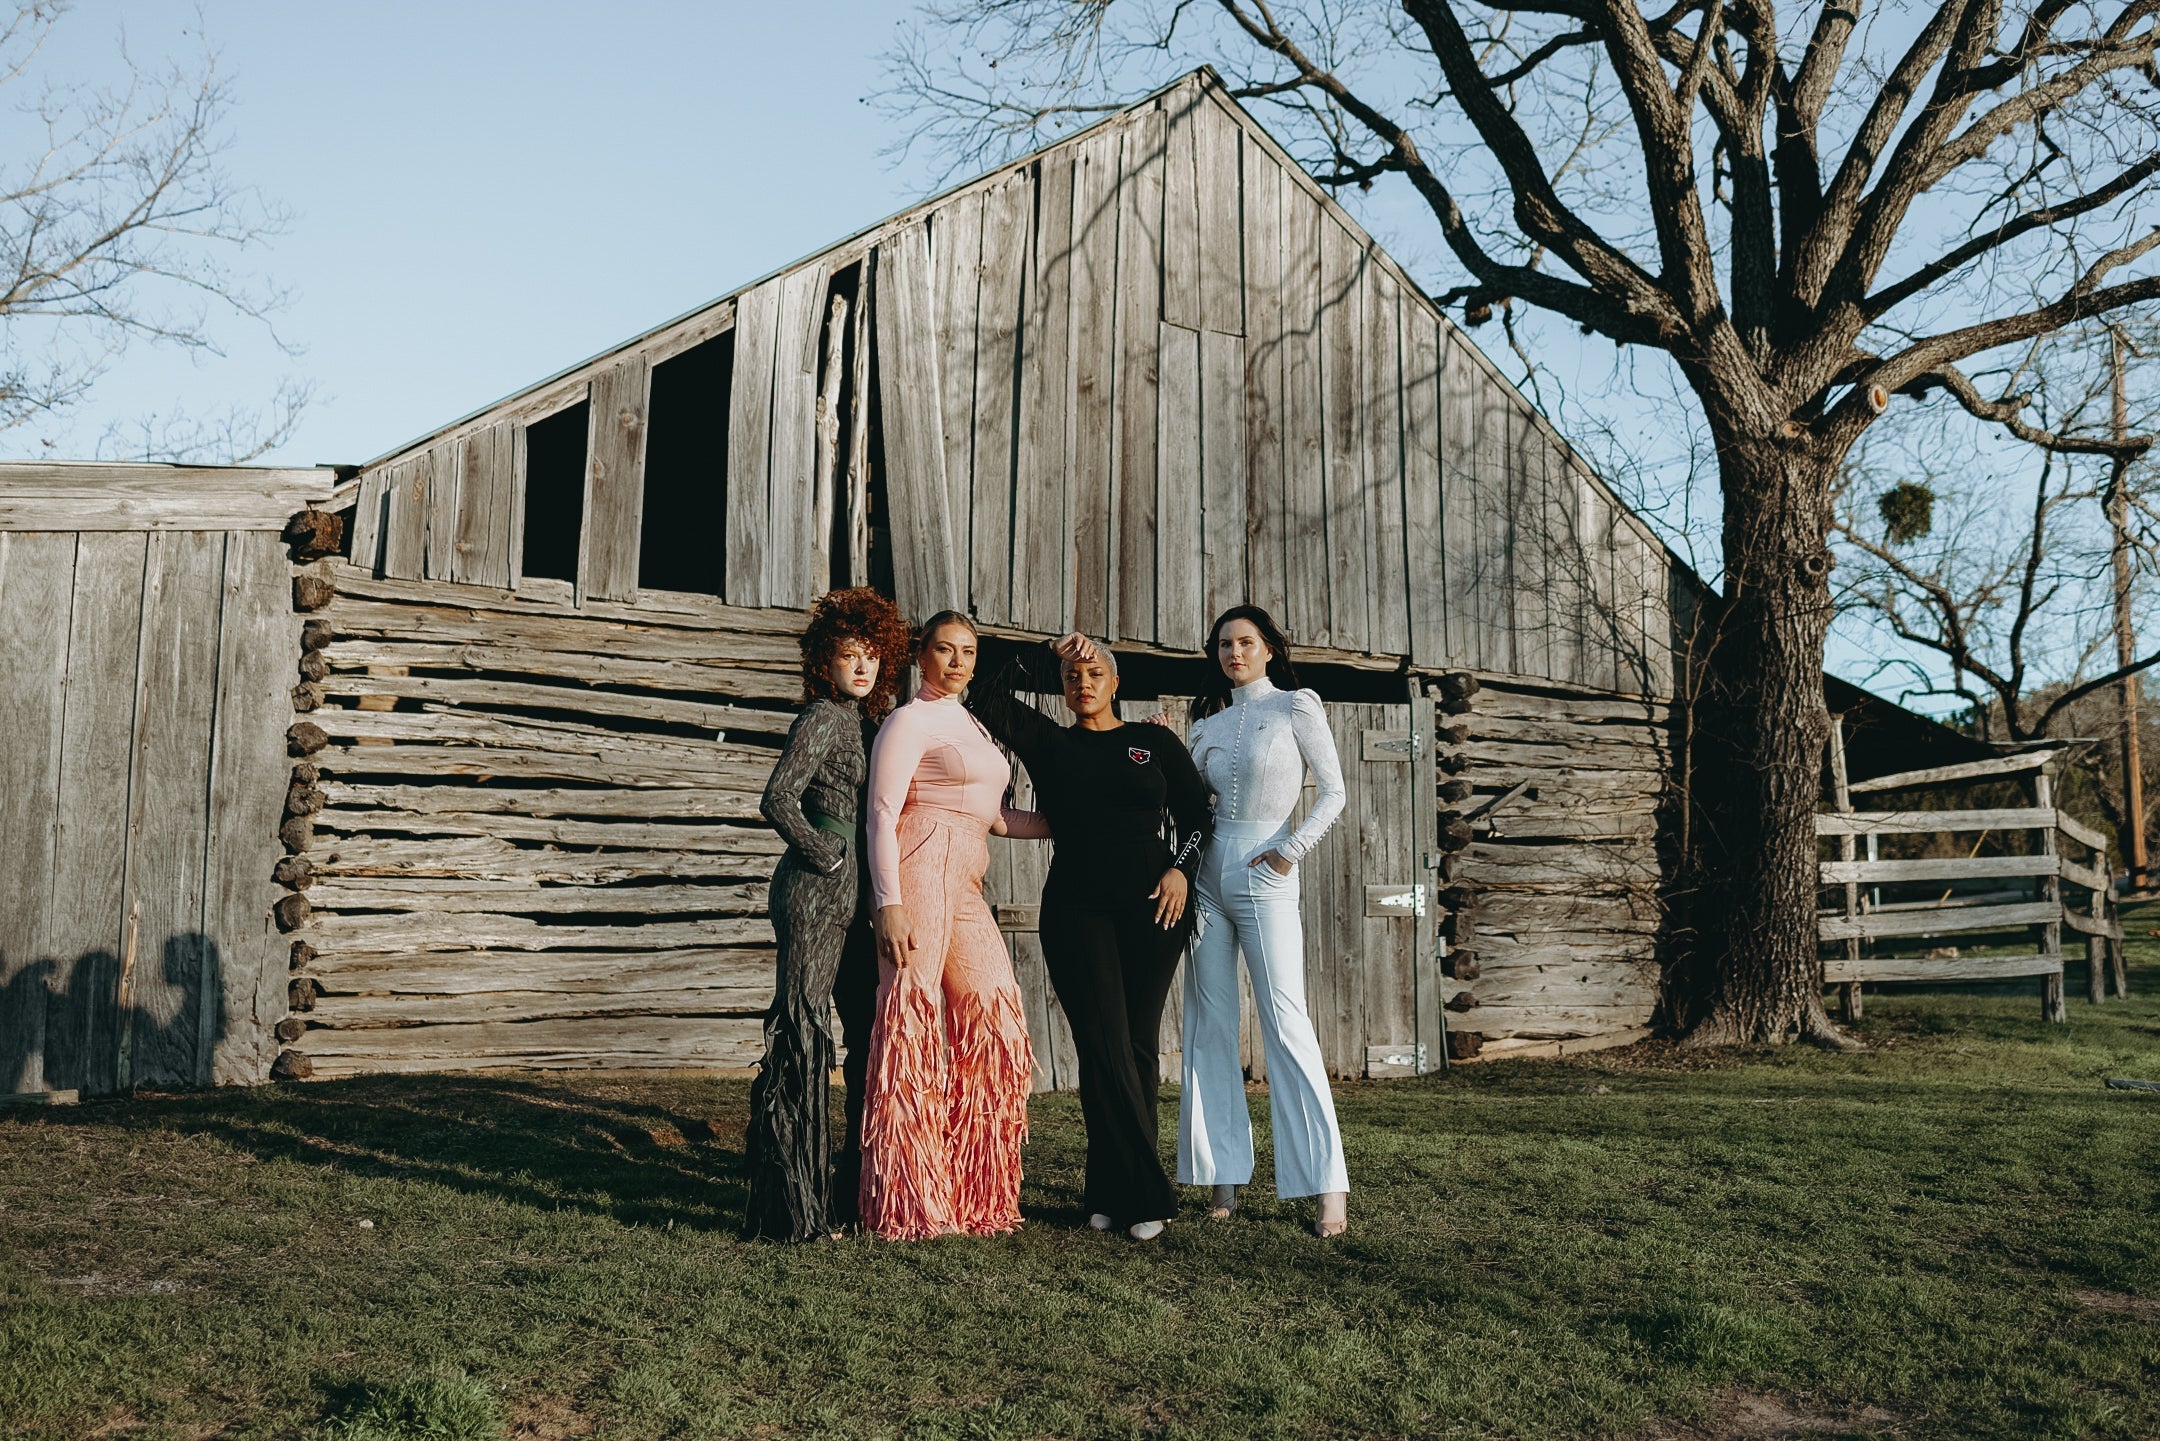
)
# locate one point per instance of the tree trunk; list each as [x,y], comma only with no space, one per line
[1762,753]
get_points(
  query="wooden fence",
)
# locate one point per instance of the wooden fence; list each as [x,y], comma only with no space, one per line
[2061,882]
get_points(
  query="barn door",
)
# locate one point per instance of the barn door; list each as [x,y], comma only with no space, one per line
[1370,970]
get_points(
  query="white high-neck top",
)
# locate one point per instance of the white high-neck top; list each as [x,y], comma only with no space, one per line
[1254,755]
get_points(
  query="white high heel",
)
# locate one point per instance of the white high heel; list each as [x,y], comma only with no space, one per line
[1100,1222]
[1145,1230]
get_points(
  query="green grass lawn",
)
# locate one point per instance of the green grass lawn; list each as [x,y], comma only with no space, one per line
[1954,1233]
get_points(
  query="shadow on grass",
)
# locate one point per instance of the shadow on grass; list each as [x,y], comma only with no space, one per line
[545,1145]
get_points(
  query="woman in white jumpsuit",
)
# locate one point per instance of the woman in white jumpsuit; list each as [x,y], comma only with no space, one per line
[1253,747]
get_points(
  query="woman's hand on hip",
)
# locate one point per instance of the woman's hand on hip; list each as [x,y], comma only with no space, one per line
[1169,898]
[1274,860]
[895,937]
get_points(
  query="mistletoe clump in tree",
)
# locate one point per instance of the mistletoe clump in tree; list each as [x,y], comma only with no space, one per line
[1809,211]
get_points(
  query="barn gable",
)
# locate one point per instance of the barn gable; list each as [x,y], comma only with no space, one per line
[1119,384]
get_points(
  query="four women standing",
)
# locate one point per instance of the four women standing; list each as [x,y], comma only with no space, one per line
[948,1059]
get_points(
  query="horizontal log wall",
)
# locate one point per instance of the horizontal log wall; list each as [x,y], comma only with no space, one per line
[1551,903]
[525,833]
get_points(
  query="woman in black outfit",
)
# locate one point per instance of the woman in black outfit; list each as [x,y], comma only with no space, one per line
[1114,917]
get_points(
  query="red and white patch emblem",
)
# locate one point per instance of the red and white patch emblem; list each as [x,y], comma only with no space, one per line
[1139,756]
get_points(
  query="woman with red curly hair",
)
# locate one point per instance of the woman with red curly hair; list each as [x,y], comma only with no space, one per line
[854,652]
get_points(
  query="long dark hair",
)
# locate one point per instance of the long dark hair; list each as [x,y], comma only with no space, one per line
[1215,695]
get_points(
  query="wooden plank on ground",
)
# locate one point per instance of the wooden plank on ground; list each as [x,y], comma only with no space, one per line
[1264,500]
[1040,537]
[1094,420]
[615,481]
[925,571]
[1224,523]
[37,585]
[749,457]
[1178,539]
[956,243]
[258,636]
[1461,587]
[178,967]
[791,480]
[85,922]
[1008,219]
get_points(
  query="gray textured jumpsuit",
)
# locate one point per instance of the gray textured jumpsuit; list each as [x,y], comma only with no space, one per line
[827,957]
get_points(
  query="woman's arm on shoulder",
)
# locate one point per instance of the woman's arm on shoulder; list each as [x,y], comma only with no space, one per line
[809,741]
[1316,744]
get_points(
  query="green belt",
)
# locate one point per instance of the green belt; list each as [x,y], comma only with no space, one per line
[844,829]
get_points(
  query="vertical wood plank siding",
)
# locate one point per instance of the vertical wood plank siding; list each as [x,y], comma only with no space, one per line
[1139,311]
[1039,517]
[790,486]
[1265,500]
[926,573]
[1094,408]
[144,692]
[757,324]
[1143,376]
[956,241]
[1008,215]
[615,487]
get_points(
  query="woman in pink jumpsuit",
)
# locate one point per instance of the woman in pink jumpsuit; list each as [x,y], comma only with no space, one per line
[946,1111]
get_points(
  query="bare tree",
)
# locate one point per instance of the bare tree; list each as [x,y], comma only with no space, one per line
[2015,552]
[1808,211]
[118,225]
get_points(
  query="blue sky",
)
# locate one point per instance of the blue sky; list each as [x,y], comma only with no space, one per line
[482,193]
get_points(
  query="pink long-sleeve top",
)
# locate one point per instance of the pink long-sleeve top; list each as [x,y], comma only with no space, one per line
[931,752]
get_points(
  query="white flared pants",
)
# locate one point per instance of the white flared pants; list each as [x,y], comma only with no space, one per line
[1250,909]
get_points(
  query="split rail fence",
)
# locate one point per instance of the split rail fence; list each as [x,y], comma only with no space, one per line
[2061,882]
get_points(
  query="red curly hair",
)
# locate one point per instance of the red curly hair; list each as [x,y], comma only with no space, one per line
[859,614]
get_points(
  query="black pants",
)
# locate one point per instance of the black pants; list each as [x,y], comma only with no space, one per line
[1112,965]
[827,957]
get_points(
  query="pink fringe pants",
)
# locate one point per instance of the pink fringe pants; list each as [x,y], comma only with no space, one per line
[946,1110]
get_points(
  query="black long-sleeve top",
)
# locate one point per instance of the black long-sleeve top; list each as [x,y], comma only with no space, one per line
[1106,794]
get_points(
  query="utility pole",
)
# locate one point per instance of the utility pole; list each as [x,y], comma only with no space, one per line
[2126,690]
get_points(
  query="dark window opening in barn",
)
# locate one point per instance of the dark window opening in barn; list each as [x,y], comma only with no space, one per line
[840,364]
[555,493]
[683,545]
[879,519]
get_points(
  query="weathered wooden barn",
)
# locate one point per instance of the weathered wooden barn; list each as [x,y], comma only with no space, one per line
[531,698]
